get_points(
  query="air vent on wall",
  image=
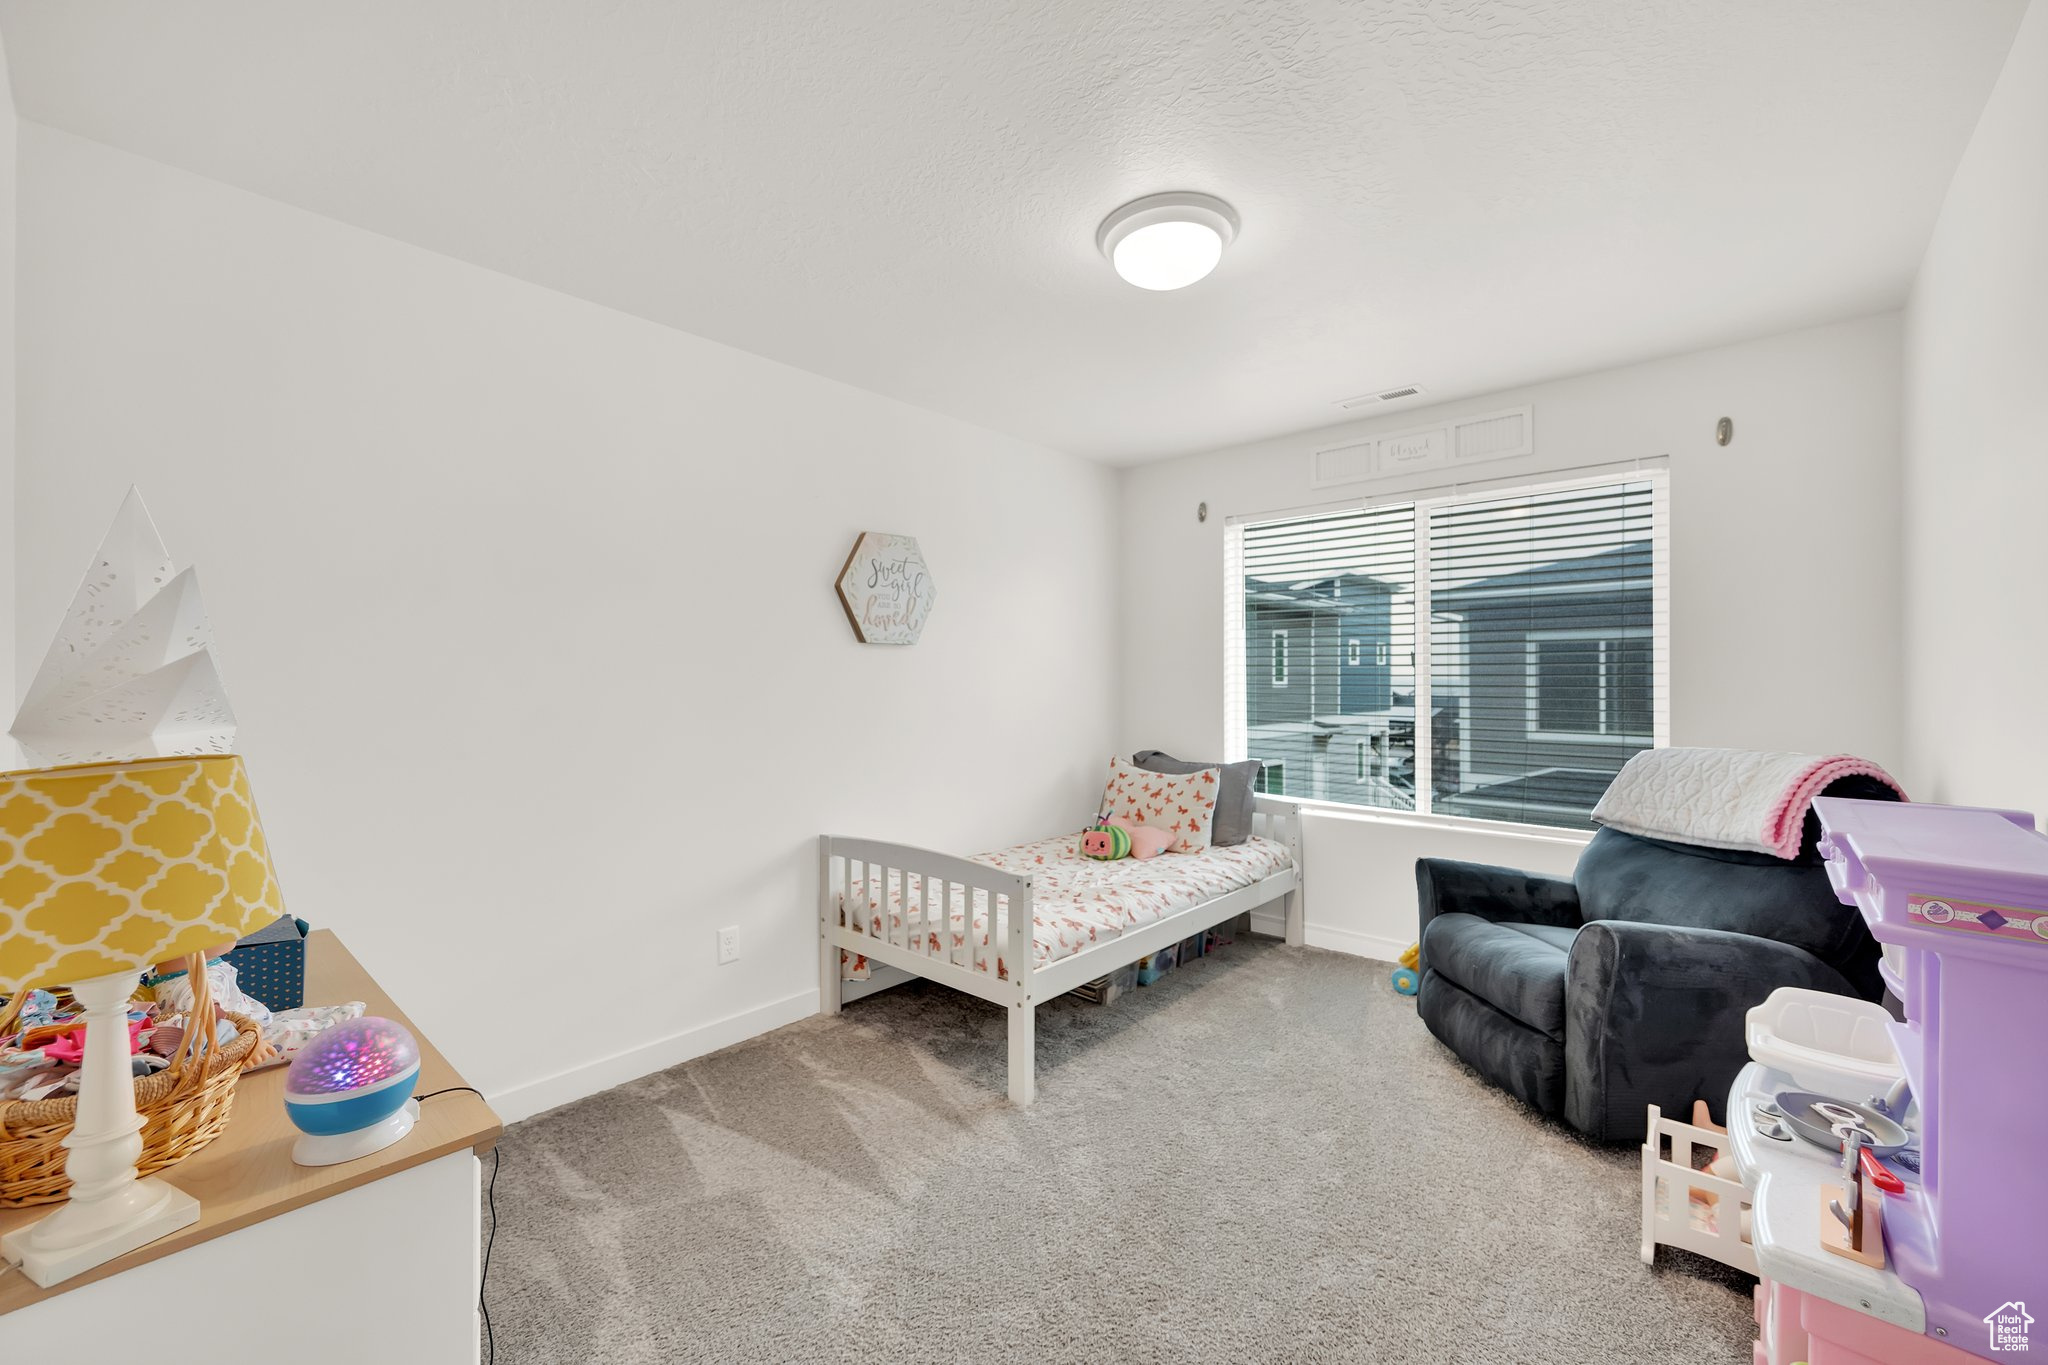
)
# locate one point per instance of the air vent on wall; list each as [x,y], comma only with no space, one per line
[1354,463]
[1493,436]
[1373,400]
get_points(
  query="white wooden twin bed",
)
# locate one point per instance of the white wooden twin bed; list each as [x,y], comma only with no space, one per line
[906,912]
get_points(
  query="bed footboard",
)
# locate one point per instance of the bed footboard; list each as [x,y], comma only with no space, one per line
[923,895]
[922,888]
[914,930]
[1279,819]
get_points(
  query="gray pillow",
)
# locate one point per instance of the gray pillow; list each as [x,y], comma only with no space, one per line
[1233,823]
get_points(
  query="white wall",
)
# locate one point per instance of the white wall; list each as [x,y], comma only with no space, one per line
[1361,872]
[1784,571]
[1976,459]
[526,607]
[7,541]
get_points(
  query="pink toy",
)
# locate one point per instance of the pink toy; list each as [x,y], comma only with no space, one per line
[1111,838]
[1146,842]
[71,1046]
[1958,897]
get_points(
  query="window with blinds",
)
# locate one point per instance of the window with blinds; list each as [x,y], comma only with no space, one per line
[1497,654]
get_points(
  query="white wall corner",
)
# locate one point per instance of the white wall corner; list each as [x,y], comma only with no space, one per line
[10,541]
[1975,349]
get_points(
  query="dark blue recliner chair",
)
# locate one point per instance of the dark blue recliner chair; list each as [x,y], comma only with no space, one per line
[1626,985]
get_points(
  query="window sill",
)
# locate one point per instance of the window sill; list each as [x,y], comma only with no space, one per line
[1374,815]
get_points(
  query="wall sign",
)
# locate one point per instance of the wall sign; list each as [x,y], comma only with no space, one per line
[1412,450]
[1500,435]
[887,589]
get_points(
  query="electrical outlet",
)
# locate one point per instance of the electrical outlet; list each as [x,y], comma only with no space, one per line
[728,945]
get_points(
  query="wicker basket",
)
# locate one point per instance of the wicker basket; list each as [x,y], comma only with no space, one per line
[183,1107]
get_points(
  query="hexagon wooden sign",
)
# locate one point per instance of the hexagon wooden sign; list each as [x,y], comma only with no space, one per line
[886,588]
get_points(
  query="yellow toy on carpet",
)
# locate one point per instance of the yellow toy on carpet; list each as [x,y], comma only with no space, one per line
[1406,981]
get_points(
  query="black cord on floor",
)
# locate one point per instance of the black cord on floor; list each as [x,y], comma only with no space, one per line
[451,1090]
[491,1199]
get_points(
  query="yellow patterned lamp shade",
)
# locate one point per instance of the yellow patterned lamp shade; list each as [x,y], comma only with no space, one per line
[111,867]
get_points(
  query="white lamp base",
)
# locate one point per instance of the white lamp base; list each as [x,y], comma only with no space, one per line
[110,1212]
[159,1209]
[331,1149]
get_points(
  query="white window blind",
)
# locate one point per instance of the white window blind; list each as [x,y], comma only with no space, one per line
[1542,667]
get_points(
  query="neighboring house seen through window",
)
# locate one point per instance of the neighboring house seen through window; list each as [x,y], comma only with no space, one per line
[1534,621]
[1590,685]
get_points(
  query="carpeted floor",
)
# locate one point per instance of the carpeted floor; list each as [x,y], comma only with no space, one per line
[1262,1158]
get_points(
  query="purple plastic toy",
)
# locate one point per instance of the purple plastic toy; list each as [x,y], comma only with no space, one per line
[1959,898]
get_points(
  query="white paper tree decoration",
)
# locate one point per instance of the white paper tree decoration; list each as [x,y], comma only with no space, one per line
[131,673]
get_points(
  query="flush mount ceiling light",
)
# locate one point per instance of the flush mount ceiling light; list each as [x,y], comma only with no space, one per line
[1167,241]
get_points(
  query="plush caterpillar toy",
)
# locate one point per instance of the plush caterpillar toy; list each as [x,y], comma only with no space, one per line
[1109,839]
[1106,843]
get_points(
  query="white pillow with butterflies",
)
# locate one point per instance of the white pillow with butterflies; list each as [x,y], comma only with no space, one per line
[1184,806]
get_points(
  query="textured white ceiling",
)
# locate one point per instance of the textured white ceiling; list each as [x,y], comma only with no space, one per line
[1464,194]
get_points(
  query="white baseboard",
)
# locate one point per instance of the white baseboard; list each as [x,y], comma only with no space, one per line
[549,1092]
[1336,940]
[1358,945]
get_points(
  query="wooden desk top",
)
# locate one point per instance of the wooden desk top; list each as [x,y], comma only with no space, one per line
[246,1175]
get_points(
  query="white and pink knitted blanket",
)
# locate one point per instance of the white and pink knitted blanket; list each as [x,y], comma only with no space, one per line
[1726,798]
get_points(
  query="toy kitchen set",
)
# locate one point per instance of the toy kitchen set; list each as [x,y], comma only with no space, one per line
[1895,1175]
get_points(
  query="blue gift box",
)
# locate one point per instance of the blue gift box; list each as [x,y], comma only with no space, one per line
[270,964]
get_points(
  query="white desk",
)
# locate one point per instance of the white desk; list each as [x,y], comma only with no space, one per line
[376,1259]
